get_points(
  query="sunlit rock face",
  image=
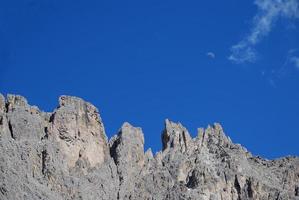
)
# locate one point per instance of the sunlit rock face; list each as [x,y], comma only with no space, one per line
[66,155]
[79,130]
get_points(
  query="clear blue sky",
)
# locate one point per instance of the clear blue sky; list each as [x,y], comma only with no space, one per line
[197,62]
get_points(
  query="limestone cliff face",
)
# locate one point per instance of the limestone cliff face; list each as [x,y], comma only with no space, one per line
[66,155]
[78,129]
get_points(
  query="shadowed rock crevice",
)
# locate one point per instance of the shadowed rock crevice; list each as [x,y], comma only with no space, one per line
[115,142]
[249,188]
[193,180]
[127,152]
[11,130]
[237,187]
[44,160]
[46,133]
[66,155]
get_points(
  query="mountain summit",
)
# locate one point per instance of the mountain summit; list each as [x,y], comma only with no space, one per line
[67,155]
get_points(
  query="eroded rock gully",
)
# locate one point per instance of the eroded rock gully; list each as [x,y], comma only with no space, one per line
[66,155]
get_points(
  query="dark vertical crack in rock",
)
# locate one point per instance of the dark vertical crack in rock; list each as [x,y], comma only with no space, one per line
[297,191]
[11,130]
[249,188]
[44,159]
[185,140]
[113,155]
[238,187]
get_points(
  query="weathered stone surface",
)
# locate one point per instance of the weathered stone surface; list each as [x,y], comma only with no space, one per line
[2,103]
[24,121]
[128,153]
[175,136]
[66,155]
[79,130]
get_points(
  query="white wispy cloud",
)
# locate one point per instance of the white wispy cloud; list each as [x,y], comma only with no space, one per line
[295,61]
[290,64]
[268,12]
[292,58]
[211,55]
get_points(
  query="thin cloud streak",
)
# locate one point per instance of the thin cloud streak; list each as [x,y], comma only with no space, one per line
[293,58]
[268,13]
[295,61]
[211,55]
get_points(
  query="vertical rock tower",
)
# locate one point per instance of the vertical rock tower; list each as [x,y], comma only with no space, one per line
[79,131]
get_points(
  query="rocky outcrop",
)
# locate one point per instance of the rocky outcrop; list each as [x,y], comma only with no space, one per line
[66,155]
[175,136]
[128,153]
[79,130]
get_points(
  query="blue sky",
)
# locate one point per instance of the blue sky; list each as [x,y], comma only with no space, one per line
[233,62]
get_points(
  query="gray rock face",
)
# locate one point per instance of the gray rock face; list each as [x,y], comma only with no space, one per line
[79,131]
[66,155]
[127,151]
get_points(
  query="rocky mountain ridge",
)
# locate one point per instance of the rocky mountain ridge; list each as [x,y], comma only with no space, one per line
[66,155]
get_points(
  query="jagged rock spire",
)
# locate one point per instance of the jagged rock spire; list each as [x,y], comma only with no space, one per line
[24,121]
[129,144]
[16,101]
[213,135]
[78,128]
[127,150]
[175,136]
